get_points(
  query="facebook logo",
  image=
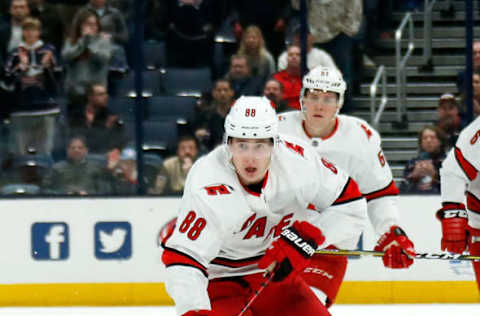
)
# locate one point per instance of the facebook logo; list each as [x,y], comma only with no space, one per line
[113,240]
[50,241]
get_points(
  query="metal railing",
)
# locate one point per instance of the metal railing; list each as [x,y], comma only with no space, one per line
[375,115]
[401,62]
[427,35]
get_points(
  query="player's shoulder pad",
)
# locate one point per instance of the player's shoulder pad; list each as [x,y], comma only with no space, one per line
[295,148]
[470,135]
[364,133]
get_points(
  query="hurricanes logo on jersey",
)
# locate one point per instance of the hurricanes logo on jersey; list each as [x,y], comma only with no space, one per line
[218,189]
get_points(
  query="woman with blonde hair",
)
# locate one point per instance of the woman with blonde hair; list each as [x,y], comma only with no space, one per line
[252,46]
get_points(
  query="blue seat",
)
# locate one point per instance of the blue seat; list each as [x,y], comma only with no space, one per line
[187,81]
[20,189]
[154,55]
[158,136]
[153,84]
[181,109]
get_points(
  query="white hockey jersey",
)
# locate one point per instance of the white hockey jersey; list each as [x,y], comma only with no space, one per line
[355,147]
[459,173]
[223,229]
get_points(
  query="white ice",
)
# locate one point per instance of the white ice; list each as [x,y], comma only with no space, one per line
[337,310]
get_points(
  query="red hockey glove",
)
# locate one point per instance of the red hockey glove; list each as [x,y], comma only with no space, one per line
[474,241]
[202,312]
[399,251]
[454,227]
[292,250]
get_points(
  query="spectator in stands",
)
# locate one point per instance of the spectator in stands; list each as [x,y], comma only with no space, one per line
[177,167]
[11,30]
[29,73]
[156,21]
[315,56]
[476,108]
[241,78]
[210,116]
[76,175]
[273,90]
[52,25]
[476,66]
[99,126]
[449,120]
[271,16]
[334,24]
[122,173]
[86,53]
[252,46]
[66,11]
[291,77]
[112,21]
[422,172]
[476,94]
[191,29]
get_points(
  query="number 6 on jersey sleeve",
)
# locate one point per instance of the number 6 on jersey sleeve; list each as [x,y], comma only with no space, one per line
[193,231]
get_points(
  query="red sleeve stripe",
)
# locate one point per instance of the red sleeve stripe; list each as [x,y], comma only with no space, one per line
[172,257]
[350,193]
[453,206]
[467,167]
[235,263]
[389,190]
[473,203]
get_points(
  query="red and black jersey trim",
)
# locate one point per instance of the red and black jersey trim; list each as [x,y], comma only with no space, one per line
[231,263]
[349,193]
[452,206]
[470,171]
[390,190]
[473,203]
[172,257]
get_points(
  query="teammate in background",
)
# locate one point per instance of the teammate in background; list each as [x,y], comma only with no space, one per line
[459,178]
[256,191]
[354,146]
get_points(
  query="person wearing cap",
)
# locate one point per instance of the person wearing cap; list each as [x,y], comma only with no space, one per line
[449,120]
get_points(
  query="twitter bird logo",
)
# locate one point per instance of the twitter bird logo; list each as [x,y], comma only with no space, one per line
[113,240]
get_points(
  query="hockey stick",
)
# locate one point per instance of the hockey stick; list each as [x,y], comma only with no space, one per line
[257,292]
[439,256]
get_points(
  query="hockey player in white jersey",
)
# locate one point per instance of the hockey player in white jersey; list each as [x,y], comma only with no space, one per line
[248,205]
[459,182]
[353,145]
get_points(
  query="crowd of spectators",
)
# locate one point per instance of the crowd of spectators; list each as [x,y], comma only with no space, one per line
[62,62]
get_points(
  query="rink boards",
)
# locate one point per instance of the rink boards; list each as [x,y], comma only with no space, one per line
[105,252]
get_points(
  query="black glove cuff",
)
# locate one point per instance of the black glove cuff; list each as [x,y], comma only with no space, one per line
[305,247]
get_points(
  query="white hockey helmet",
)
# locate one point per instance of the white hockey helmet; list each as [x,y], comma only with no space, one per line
[251,117]
[326,79]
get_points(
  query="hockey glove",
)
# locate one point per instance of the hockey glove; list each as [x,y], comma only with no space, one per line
[454,227]
[202,312]
[292,251]
[399,250]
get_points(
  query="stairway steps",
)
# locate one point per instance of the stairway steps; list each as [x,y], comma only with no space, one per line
[416,88]
[422,116]
[412,71]
[417,60]
[420,43]
[412,103]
